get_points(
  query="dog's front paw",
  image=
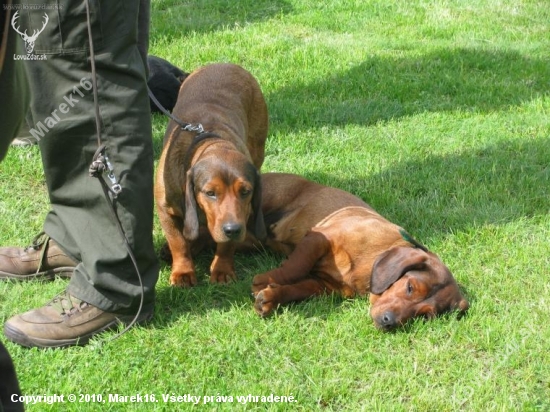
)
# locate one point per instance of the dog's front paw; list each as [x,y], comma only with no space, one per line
[222,276]
[265,302]
[183,279]
[260,282]
[222,270]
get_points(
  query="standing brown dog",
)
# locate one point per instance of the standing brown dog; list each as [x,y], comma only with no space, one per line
[212,179]
[335,242]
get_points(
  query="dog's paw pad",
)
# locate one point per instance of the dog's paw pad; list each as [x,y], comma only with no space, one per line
[222,277]
[183,280]
[263,304]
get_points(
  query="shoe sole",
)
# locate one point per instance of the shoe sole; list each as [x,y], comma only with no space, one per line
[62,272]
[16,336]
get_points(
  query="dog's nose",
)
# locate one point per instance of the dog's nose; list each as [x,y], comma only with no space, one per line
[232,230]
[387,320]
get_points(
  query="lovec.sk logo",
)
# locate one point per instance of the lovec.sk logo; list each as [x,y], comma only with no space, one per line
[29,40]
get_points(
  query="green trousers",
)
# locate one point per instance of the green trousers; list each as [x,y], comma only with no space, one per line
[62,111]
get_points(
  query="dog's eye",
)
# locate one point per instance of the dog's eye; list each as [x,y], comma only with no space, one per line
[210,193]
[409,288]
[245,192]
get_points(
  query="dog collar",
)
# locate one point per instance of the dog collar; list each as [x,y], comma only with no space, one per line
[197,140]
[407,237]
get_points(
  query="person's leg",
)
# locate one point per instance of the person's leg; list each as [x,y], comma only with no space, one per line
[13,83]
[143,31]
[43,258]
[81,221]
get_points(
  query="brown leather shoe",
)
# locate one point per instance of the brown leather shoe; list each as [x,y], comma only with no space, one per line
[43,259]
[65,321]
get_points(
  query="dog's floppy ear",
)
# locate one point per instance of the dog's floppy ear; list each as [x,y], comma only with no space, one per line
[191,221]
[394,263]
[259,224]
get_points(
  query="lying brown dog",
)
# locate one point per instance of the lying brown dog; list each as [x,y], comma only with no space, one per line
[212,179]
[335,242]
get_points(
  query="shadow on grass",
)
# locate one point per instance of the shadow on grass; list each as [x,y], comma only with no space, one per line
[385,88]
[174,303]
[174,18]
[494,185]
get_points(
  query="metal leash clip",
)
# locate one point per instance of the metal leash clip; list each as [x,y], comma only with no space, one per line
[100,165]
[116,188]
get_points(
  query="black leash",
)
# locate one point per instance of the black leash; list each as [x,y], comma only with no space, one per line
[184,126]
[101,165]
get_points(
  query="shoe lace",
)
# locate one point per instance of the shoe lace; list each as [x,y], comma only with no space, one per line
[66,304]
[39,240]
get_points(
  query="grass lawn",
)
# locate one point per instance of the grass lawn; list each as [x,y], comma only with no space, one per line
[437,113]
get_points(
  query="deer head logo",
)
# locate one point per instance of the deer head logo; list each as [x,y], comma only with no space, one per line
[29,40]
